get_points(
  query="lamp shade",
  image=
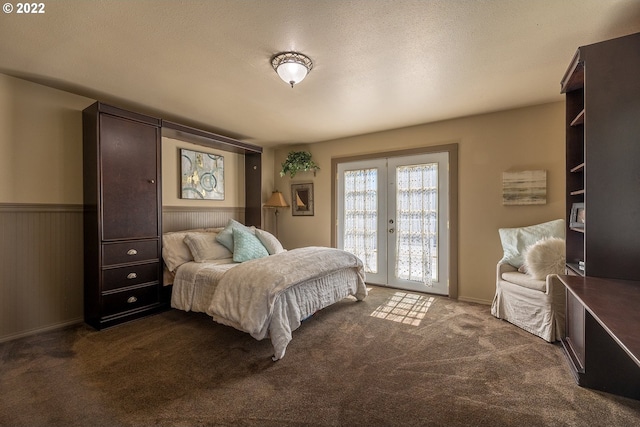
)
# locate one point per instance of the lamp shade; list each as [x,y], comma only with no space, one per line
[276,201]
[292,67]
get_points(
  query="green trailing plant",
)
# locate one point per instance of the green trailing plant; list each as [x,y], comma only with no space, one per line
[298,161]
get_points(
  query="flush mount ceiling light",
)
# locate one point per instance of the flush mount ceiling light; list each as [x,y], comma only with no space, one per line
[292,67]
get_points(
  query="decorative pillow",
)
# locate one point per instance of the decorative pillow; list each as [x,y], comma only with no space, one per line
[269,241]
[175,252]
[225,237]
[247,246]
[547,256]
[515,240]
[204,247]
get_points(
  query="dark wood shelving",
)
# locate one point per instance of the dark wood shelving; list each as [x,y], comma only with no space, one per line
[575,268]
[607,356]
[574,77]
[578,168]
[579,120]
[601,340]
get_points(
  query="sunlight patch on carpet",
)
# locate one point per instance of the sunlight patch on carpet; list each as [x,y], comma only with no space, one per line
[403,307]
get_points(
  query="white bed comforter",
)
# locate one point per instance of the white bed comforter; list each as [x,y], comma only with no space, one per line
[276,293]
[261,296]
[247,293]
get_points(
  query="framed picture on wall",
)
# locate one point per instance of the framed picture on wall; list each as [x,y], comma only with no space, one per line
[302,199]
[202,175]
[524,187]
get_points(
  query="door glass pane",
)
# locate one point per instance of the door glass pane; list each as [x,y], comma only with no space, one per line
[361,216]
[417,223]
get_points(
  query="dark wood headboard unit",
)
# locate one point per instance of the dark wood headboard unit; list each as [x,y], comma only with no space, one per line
[252,162]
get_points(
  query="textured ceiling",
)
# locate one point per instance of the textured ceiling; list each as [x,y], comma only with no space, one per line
[378,64]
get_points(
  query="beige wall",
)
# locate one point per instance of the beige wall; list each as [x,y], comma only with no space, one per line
[41,163]
[40,143]
[522,139]
[41,251]
[233,176]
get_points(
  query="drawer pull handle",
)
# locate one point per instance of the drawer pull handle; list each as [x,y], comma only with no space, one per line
[131,300]
[132,276]
[132,252]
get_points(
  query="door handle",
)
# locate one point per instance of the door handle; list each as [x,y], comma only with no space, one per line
[391,230]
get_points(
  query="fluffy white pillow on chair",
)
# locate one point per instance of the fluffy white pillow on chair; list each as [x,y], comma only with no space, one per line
[546,256]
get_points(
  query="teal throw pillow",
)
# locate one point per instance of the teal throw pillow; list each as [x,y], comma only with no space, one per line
[246,246]
[225,237]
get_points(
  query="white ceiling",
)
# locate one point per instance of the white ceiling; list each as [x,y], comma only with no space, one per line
[378,64]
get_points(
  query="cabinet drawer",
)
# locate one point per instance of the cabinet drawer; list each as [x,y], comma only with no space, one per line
[131,299]
[120,253]
[130,275]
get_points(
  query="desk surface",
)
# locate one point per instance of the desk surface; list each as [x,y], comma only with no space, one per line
[615,304]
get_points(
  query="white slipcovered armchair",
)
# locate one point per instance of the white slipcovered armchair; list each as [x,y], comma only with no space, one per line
[537,306]
[529,293]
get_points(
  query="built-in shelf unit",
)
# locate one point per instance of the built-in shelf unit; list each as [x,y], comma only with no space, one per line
[602,87]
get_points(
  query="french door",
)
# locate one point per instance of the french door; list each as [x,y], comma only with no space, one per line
[393,214]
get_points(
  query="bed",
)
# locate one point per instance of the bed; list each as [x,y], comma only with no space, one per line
[243,277]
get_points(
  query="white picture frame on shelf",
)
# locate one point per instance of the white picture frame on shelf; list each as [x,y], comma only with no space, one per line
[577,219]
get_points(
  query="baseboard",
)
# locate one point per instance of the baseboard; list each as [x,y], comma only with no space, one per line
[36,331]
[475,300]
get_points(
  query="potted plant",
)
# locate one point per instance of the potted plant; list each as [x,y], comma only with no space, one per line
[298,161]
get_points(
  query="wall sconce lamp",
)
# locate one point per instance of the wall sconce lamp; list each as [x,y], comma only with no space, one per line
[292,67]
[276,201]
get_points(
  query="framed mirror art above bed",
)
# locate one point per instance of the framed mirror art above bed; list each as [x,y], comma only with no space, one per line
[302,199]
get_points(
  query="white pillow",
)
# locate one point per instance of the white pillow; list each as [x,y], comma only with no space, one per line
[516,240]
[547,256]
[174,251]
[203,247]
[269,241]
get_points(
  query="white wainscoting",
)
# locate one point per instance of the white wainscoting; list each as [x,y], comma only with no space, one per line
[41,261]
[41,268]
[175,218]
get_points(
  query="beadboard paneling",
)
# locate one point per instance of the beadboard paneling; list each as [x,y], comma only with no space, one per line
[41,268]
[41,261]
[175,218]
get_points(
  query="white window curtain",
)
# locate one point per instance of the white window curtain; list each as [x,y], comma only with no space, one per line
[361,216]
[417,222]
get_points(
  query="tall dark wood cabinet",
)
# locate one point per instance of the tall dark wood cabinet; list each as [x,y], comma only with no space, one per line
[602,88]
[122,218]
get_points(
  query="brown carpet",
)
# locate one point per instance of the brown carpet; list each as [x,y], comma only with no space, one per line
[459,367]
